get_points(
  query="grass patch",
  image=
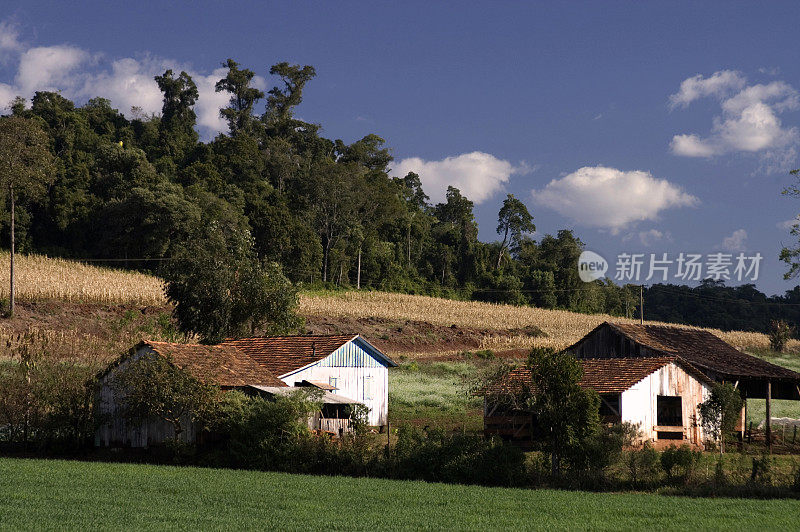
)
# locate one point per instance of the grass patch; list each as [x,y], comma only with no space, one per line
[434,393]
[58,495]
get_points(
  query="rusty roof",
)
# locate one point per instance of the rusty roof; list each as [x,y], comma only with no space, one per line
[603,375]
[222,365]
[284,354]
[701,349]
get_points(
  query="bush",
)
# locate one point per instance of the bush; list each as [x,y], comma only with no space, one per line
[762,469]
[682,458]
[643,464]
[779,334]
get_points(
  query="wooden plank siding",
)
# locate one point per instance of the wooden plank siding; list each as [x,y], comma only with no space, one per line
[358,376]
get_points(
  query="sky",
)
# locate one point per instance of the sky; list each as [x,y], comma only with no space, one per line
[646,127]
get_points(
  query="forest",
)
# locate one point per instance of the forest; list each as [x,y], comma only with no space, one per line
[131,192]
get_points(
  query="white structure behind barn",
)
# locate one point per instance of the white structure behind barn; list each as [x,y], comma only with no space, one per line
[347,365]
[660,395]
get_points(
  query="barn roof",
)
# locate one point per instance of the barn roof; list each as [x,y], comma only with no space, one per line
[606,375]
[700,348]
[285,354]
[222,365]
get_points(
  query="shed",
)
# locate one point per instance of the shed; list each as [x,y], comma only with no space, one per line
[718,360]
[348,364]
[659,394]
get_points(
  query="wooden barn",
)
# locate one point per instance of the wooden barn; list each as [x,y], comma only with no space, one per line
[346,365]
[221,365]
[659,394]
[719,361]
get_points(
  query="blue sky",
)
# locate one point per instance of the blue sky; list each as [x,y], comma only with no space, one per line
[648,127]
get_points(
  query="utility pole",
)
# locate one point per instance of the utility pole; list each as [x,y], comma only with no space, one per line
[641,304]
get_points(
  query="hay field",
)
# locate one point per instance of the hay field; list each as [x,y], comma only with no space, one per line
[41,277]
[562,328]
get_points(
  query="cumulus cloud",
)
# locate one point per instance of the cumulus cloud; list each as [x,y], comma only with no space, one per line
[717,84]
[735,242]
[788,225]
[128,82]
[748,122]
[477,175]
[611,199]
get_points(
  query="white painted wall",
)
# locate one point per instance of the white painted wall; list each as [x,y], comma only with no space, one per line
[351,380]
[639,402]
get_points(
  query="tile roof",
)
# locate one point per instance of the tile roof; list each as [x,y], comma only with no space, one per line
[701,349]
[603,375]
[218,364]
[283,354]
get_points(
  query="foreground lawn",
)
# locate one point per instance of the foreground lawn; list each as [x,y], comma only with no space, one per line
[41,494]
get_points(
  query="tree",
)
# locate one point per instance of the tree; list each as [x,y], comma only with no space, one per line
[779,334]
[178,119]
[239,112]
[281,101]
[720,412]
[153,387]
[26,169]
[221,289]
[567,414]
[513,221]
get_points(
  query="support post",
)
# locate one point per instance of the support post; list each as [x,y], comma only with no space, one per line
[769,417]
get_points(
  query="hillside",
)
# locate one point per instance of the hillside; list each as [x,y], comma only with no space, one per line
[69,304]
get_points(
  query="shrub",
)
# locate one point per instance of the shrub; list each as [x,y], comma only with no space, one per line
[762,469]
[643,464]
[720,412]
[680,457]
[779,334]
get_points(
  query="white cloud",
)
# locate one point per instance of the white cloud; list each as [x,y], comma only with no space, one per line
[9,37]
[788,225]
[49,68]
[611,199]
[648,238]
[748,121]
[80,74]
[717,84]
[477,175]
[735,242]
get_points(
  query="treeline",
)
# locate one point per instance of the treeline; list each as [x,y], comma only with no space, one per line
[329,213]
[712,304]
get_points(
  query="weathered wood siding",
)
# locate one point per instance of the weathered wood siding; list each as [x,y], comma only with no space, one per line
[358,376]
[639,403]
[608,343]
[116,432]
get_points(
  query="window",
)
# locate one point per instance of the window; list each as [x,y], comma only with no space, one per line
[609,408]
[369,390]
[334,382]
[669,411]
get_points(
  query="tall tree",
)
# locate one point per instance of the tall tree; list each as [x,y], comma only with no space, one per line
[791,255]
[26,169]
[513,221]
[239,112]
[178,119]
[282,100]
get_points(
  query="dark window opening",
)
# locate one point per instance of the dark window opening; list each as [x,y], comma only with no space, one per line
[669,411]
[669,435]
[610,408]
[335,411]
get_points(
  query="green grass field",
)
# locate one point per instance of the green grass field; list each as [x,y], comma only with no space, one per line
[50,495]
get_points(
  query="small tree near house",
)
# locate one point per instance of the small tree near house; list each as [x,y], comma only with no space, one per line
[719,413]
[779,334]
[152,387]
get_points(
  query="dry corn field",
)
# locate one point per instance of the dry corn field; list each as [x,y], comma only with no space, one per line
[40,277]
[561,327]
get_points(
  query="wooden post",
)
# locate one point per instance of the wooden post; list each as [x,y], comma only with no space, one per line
[641,304]
[11,295]
[769,416]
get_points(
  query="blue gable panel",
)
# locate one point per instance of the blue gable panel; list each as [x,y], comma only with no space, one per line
[357,353]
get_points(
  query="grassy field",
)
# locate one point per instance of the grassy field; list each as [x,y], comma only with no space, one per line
[434,393]
[58,495]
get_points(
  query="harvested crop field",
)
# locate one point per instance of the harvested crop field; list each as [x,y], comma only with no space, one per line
[58,495]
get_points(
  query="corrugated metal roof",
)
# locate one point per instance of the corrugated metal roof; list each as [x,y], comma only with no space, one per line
[603,375]
[326,397]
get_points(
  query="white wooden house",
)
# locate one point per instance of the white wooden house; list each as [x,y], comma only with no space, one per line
[659,394]
[346,365]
